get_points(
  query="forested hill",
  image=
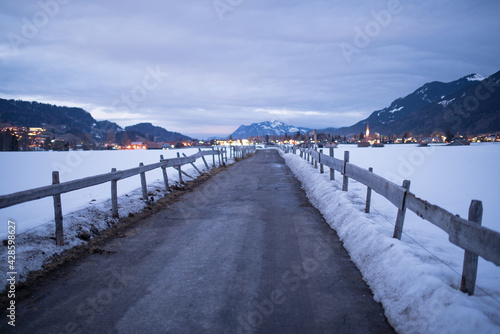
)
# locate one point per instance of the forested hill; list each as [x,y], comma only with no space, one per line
[35,114]
[76,125]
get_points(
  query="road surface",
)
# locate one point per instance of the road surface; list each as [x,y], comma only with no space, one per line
[243,253]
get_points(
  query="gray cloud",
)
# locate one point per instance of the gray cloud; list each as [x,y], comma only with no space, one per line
[278,59]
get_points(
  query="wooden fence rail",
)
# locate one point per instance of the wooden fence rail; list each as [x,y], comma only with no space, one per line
[57,188]
[243,151]
[469,235]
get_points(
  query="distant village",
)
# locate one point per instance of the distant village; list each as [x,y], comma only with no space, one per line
[36,139]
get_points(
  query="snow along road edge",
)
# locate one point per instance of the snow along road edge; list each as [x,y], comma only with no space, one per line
[417,294]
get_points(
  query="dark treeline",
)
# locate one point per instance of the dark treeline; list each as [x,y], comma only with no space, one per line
[8,141]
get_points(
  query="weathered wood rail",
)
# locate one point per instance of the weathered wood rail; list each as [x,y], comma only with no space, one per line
[242,151]
[467,234]
[56,189]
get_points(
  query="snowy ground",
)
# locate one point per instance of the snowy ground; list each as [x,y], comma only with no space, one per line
[83,210]
[417,279]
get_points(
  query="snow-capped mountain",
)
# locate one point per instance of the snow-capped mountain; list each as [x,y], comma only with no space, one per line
[475,109]
[388,120]
[271,128]
[428,93]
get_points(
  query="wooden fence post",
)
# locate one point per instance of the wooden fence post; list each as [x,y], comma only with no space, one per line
[179,169]
[213,157]
[165,175]
[321,170]
[114,196]
[316,161]
[192,163]
[203,158]
[219,154]
[368,195]
[469,272]
[345,181]
[58,217]
[144,185]
[398,228]
[332,171]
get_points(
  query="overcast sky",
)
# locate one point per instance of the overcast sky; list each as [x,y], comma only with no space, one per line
[204,67]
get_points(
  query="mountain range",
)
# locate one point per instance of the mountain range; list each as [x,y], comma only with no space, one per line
[77,125]
[469,105]
[157,133]
[271,128]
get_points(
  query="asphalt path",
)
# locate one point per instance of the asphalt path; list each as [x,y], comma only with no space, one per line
[244,253]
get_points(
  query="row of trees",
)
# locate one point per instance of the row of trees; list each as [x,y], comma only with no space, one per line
[8,141]
[391,137]
[297,136]
[338,138]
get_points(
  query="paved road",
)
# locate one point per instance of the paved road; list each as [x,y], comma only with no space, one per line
[244,253]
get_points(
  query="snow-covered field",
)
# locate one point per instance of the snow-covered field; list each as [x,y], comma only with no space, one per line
[87,209]
[417,279]
[24,170]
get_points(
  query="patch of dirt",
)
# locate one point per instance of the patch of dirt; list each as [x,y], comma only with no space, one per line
[95,245]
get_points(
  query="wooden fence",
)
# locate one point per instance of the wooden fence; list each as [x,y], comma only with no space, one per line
[241,151]
[468,234]
[57,188]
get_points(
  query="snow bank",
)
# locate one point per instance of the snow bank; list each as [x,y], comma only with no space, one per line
[418,290]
